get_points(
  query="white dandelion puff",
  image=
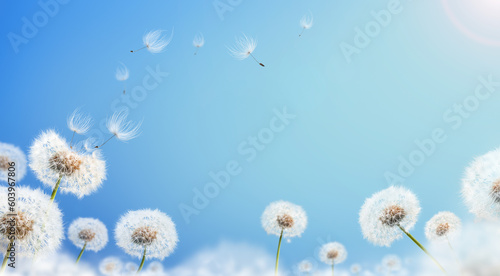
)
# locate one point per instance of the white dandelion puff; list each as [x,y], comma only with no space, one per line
[8,154]
[122,74]
[481,186]
[306,22]
[155,41]
[121,128]
[88,234]
[283,219]
[305,266]
[391,263]
[38,224]
[442,226]
[386,215]
[146,233]
[59,167]
[244,48]
[356,269]
[78,123]
[110,266]
[332,253]
[198,42]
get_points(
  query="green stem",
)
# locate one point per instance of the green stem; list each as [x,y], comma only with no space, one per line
[332,267]
[142,262]
[4,263]
[278,254]
[423,249]
[54,192]
[81,252]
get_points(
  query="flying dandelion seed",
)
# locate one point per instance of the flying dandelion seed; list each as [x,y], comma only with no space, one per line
[391,263]
[332,253]
[8,154]
[88,233]
[283,219]
[244,48]
[388,212]
[356,269]
[38,224]
[122,74]
[155,41]
[305,266]
[122,129]
[79,124]
[306,22]
[146,233]
[110,266]
[198,42]
[481,186]
[54,162]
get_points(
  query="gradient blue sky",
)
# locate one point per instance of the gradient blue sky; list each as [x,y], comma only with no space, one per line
[353,120]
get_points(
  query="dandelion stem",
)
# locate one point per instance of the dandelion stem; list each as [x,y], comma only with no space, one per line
[142,262]
[54,192]
[256,60]
[332,267]
[106,141]
[423,249]
[303,29]
[4,263]
[81,252]
[278,254]
[132,51]
[196,50]
[71,143]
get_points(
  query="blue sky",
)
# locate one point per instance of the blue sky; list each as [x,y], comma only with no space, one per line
[353,120]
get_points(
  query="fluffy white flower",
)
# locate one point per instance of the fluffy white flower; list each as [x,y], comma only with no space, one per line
[442,226]
[110,266]
[284,216]
[356,269]
[156,41]
[481,186]
[305,266]
[10,153]
[39,228]
[306,21]
[150,229]
[122,73]
[78,122]
[391,262]
[383,212]
[332,253]
[88,231]
[243,48]
[51,157]
[121,128]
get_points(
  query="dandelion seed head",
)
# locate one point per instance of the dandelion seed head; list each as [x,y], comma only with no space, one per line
[119,126]
[10,153]
[78,122]
[51,157]
[381,214]
[131,267]
[441,226]
[481,186]
[156,40]
[243,47]
[305,266]
[90,231]
[146,228]
[355,268]
[332,253]
[199,40]
[391,262]
[306,21]
[155,267]
[110,266]
[122,73]
[39,228]
[284,216]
